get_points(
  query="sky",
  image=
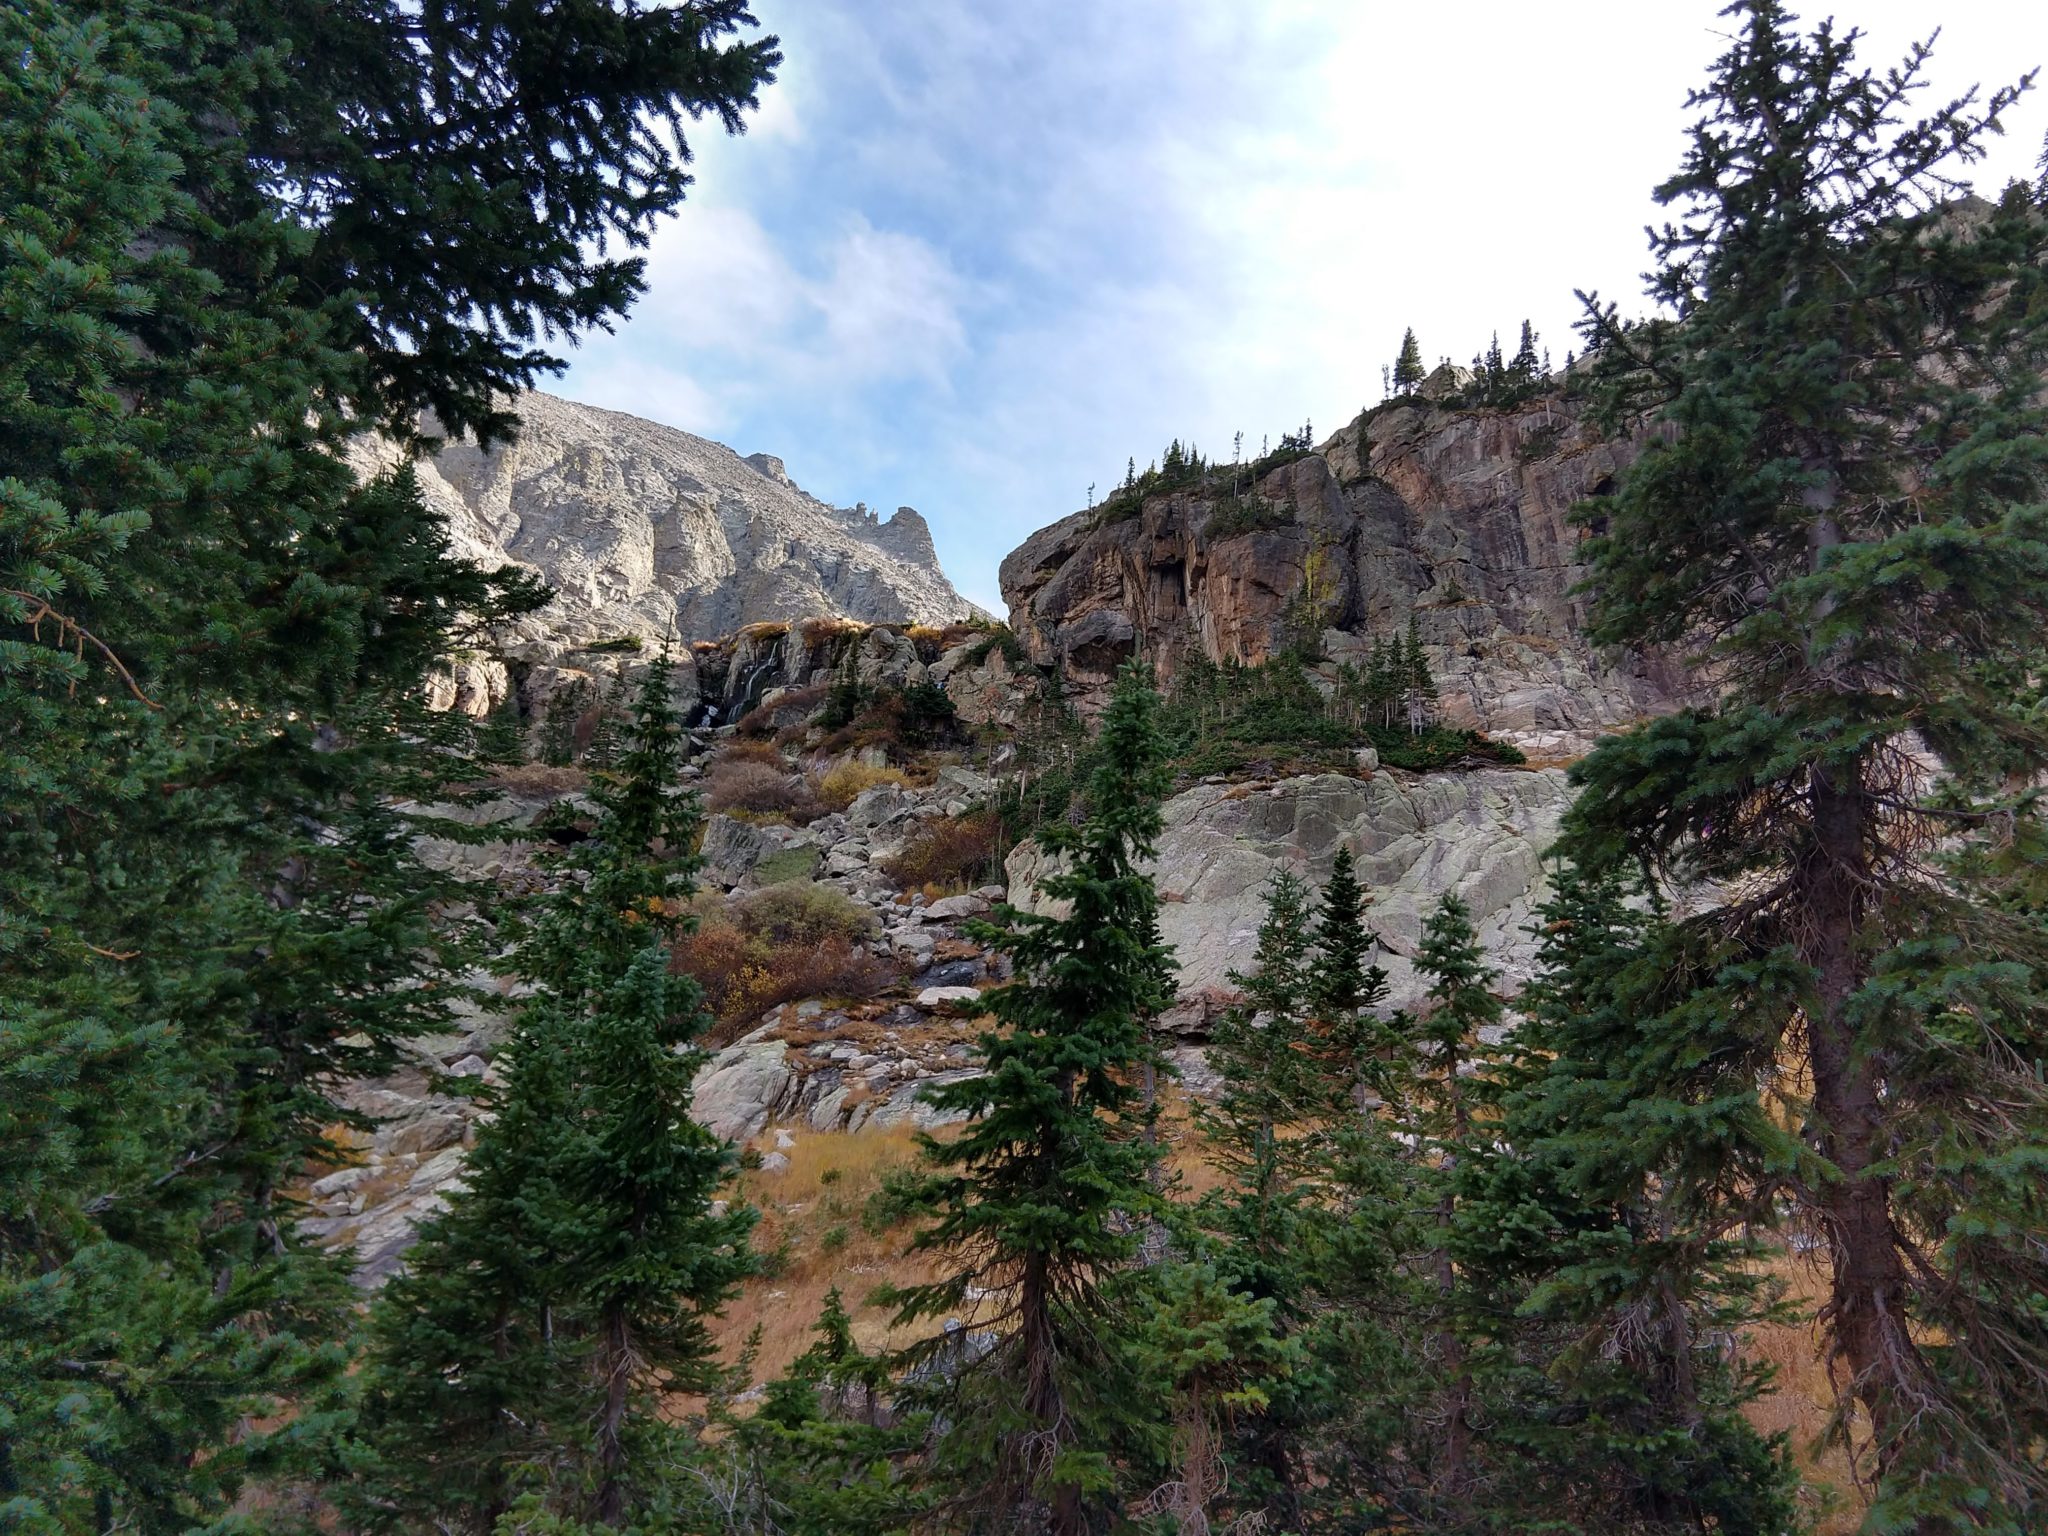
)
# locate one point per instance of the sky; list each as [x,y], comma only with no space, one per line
[971,255]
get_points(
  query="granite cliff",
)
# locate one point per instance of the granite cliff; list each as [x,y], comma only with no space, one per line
[645,530]
[1457,517]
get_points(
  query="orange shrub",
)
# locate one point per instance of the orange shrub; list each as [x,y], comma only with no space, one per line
[780,944]
[957,852]
[744,749]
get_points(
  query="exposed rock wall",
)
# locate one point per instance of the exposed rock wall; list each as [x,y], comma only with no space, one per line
[1478,835]
[1457,517]
[644,529]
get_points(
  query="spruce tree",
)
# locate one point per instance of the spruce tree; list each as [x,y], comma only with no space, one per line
[1345,988]
[1271,1090]
[1600,1303]
[1218,1354]
[1408,369]
[1036,1202]
[1418,685]
[214,753]
[1460,1009]
[1382,686]
[1527,365]
[818,1457]
[1288,1076]
[585,1259]
[1842,499]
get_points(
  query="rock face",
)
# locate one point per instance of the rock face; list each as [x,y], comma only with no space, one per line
[1478,835]
[641,528]
[1457,517]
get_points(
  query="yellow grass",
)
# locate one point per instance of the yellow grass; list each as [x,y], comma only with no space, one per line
[839,785]
[1802,1399]
[815,1208]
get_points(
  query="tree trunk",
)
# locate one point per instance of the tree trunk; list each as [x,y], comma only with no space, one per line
[615,1361]
[1043,1403]
[1458,1409]
[1867,1308]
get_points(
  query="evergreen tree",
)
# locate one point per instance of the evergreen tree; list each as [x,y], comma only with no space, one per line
[1846,495]
[1036,1201]
[1493,374]
[1526,368]
[815,1459]
[1382,684]
[847,698]
[1286,1083]
[238,236]
[1260,1051]
[1418,685]
[1344,987]
[1596,1299]
[571,1283]
[1219,1355]
[1408,369]
[1438,1108]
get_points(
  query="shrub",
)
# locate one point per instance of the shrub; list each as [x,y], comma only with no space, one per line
[615,643]
[755,787]
[840,784]
[1246,514]
[538,779]
[921,715]
[801,912]
[780,944]
[994,640]
[741,749]
[745,974]
[955,852]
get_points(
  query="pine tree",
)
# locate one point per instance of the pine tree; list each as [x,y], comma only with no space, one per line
[1382,686]
[1284,1086]
[1036,1201]
[1408,369]
[1345,988]
[1845,493]
[650,1262]
[815,1459]
[213,749]
[1493,374]
[1218,1353]
[1526,368]
[1260,1051]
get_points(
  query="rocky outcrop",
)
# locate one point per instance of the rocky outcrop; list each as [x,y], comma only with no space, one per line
[645,530]
[1458,518]
[1478,835]
[824,1065]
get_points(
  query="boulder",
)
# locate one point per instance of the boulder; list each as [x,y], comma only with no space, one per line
[741,1088]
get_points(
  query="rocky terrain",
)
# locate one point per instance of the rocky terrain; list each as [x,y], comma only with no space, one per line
[829,1064]
[646,531]
[1456,517]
